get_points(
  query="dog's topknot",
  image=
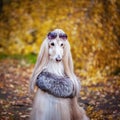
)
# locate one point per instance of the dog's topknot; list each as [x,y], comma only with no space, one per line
[58,31]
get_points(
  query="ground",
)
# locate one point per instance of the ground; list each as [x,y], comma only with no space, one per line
[100,99]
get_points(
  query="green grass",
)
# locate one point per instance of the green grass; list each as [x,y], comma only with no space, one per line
[30,58]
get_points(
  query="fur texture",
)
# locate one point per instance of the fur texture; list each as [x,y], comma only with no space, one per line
[56,85]
[47,106]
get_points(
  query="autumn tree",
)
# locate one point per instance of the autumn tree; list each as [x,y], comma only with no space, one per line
[93,29]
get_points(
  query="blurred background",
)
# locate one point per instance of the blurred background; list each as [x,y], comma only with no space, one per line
[93,29]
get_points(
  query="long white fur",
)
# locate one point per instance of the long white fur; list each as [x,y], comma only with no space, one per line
[46,106]
[56,68]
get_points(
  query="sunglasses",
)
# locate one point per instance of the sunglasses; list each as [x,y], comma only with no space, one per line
[53,35]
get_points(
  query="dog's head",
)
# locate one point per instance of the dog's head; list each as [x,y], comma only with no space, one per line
[56,43]
[57,48]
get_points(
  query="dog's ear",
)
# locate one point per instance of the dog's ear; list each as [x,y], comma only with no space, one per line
[67,60]
[40,63]
[68,66]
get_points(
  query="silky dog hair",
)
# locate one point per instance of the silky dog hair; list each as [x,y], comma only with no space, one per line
[43,59]
[46,106]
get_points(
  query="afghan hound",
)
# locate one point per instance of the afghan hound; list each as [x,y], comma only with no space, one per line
[57,86]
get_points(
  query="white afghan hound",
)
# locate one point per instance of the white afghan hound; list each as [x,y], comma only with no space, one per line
[57,85]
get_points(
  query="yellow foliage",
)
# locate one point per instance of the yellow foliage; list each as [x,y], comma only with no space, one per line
[93,31]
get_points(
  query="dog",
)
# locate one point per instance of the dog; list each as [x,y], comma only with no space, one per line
[55,100]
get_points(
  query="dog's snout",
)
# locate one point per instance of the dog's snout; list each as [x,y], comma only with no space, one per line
[58,59]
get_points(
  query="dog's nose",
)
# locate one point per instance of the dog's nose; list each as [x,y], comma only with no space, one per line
[58,59]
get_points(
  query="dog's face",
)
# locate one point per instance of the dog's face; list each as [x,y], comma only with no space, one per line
[56,42]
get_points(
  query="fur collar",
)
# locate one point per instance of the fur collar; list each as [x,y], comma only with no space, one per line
[58,86]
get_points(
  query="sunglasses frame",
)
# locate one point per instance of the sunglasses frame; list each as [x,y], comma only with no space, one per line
[53,35]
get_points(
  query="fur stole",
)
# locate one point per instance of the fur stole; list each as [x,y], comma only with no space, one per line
[55,85]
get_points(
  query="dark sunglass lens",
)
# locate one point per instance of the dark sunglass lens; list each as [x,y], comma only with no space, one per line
[63,36]
[52,35]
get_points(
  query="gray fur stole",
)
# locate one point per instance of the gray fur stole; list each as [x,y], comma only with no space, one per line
[56,85]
